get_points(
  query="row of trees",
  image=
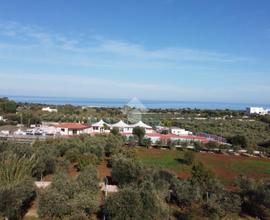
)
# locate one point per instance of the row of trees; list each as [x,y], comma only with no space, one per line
[21,164]
[144,193]
[151,193]
[7,106]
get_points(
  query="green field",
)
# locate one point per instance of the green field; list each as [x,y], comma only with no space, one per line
[227,168]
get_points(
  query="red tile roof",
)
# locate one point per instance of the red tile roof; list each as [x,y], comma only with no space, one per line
[77,126]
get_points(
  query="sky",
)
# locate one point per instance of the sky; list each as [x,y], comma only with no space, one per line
[183,50]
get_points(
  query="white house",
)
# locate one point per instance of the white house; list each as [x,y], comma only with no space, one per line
[101,127]
[73,129]
[148,129]
[257,111]
[179,131]
[49,109]
[123,127]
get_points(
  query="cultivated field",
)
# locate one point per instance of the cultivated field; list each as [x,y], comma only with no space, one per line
[226,167]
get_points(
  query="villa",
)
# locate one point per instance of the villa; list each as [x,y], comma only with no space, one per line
[68,129]
[148,128]
[101,127]
[123,127]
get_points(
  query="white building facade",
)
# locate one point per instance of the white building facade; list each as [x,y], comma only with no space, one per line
[70,129]
[101,127]
[123,127]
[257,111]
[48,109]
[179,131]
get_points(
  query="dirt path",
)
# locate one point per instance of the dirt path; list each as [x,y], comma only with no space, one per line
[32,211]
[103,170]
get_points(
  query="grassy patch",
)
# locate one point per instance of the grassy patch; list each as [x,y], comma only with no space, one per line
[225,167]
[166,159]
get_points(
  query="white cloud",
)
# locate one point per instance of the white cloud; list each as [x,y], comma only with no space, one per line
[33,46]
[110,49]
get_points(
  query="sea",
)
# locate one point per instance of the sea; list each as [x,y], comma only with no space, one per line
[118,103]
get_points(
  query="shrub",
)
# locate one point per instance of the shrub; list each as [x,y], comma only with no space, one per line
[189,157]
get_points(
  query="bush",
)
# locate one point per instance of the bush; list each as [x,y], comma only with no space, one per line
[189,157]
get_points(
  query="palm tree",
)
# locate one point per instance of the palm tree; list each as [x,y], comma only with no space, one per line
[14,177]
[14,169]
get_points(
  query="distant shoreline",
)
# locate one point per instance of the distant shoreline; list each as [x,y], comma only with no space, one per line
[118,103]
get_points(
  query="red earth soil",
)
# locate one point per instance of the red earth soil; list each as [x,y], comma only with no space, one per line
[223,173]
[72,171]
[103,170]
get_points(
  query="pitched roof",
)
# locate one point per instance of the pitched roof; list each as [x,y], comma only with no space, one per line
[141,124]
[121,124]
[77,126]
[101,123]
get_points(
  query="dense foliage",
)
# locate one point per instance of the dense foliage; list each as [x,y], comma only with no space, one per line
[67,197]
[144,193]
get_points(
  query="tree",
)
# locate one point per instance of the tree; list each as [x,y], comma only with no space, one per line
[207,191]
[16,186]
[147,142]
[238,140]
[67,196]
[7,106]
[255,197]
[15,198]
[125,204]
[113,144]
[115,131]
[88,179]
[136,202]
[189,157]
[45,163]
[205,182]
[53,204]
[139,132]
[86,160]
[153,206]
[126,170]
